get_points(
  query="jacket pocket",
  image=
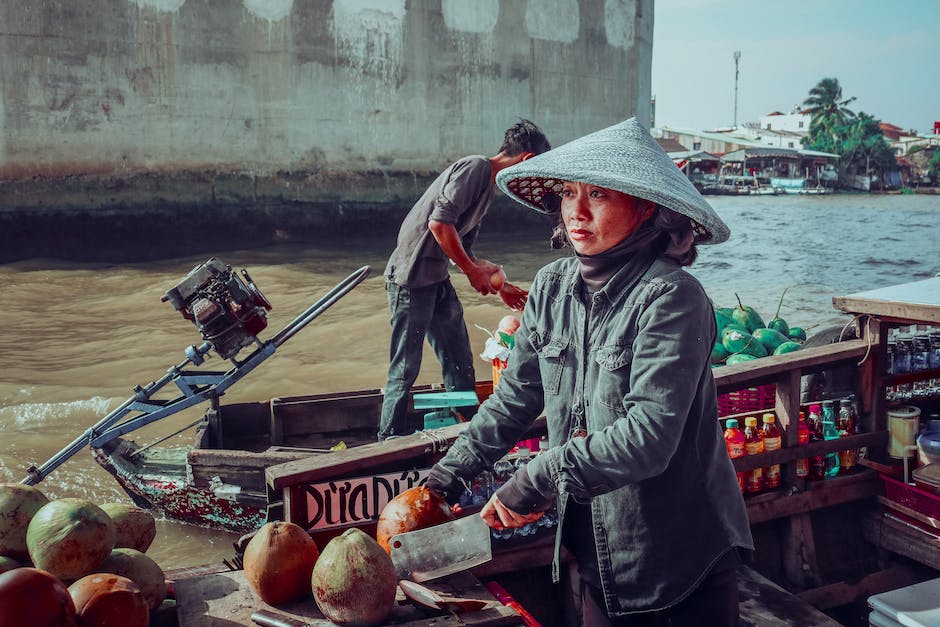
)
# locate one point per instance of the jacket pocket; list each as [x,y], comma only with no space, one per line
[551,352]
[613,375]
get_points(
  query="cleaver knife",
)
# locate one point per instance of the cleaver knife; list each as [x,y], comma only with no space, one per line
[441,550]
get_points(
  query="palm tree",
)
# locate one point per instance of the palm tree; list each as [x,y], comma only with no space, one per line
[827,108]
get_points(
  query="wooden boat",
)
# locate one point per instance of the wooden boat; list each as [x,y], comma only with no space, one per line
[219,481]
[822,547]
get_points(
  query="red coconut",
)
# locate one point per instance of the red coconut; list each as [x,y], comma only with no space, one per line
[107,600]
[30,597]
[278,562]
[415,508]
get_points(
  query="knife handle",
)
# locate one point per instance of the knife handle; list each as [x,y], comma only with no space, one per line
[270,619]
[508,600]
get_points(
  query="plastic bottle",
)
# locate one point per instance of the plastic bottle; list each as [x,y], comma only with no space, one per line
[754,445]
[772,442]
[502,471]
[734,442]
[830,432]
[802,464]
[814,423]
[847,457]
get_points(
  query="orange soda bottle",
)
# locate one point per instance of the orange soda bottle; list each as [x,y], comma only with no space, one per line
[754,445]
[734,442]
[772,441]
[802,464]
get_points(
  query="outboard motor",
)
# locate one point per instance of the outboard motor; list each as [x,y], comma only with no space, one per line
[228,311]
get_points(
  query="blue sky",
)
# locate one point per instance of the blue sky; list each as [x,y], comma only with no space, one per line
[886,54]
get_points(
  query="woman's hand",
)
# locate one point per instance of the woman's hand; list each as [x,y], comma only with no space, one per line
[498,516]
[513,296]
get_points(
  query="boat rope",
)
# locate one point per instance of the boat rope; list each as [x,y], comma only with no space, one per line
[439,442]
[857,319]
[167,437]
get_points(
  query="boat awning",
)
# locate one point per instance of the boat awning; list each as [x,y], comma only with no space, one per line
[760,153]
[770,152]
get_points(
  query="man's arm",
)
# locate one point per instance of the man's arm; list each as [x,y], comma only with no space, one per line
[478,271]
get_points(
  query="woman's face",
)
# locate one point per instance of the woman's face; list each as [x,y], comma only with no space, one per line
[597,218]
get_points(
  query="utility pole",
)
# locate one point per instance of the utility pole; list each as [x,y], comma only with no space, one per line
[737,57]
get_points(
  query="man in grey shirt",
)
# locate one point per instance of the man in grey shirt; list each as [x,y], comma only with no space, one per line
[441,228]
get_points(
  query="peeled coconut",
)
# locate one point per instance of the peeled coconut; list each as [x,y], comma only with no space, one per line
[108,600]
[140,569]
[30,597]
[498,279]
[18,504]
[508,324]
[278,562]
[69,538]
[354,581]
[134,527]
[415,508]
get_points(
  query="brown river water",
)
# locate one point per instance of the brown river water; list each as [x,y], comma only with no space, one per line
[77,337]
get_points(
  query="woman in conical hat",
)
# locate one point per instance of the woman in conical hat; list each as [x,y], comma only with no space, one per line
[614,349]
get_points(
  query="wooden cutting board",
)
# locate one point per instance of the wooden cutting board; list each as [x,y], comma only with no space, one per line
[226,600]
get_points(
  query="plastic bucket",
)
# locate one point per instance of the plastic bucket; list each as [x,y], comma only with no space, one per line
[902,430]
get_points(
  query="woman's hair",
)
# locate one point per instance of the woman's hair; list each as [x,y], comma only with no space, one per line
[666,232]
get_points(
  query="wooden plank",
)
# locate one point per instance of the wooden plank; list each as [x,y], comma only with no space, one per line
[769,369]
[897,536]
[786,455]
[764,603]
[416,450]
[799,552]
[226,598]
[818,495]
[917,301]
[845,592]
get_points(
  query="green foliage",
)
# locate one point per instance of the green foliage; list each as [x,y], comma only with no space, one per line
[933,167]
[857,139]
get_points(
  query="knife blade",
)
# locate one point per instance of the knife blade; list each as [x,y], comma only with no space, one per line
[441,550]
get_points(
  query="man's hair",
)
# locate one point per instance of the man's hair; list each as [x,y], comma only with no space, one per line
[524,136]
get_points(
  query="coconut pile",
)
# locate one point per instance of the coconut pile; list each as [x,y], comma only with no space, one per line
[70,562]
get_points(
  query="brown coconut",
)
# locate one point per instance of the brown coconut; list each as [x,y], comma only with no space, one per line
[108,600]
[69,538]
[140,569]
[415,508]
[18,505]
[354,581]
[30,597]
[134,527]
[278,562]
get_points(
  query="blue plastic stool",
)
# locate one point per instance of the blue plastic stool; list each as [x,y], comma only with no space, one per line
[444,404]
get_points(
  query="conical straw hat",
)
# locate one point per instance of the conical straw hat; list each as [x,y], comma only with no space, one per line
[623,157]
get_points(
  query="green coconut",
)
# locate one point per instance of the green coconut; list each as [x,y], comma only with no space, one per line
[18,504]
[134,527]
[354,581]
[70,538]
[140,569]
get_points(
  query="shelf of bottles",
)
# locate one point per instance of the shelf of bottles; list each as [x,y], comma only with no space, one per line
[912,364]
[487,482]
[822,421]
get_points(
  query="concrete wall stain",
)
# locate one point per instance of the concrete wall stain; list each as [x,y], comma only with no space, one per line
[274,116]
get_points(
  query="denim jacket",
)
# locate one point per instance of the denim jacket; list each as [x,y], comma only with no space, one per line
[633,370]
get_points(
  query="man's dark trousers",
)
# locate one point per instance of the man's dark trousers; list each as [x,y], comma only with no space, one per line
[436,313]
